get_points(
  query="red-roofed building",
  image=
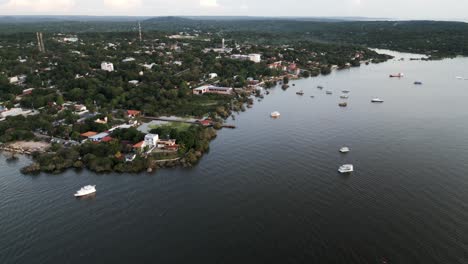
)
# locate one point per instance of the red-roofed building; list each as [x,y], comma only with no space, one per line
[205,122]
[133,113]
[139,146]
[107,139]
[89,134]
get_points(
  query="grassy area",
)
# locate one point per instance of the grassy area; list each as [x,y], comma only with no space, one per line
[173,125]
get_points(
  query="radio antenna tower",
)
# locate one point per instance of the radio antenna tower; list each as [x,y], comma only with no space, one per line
[139,30]
[40,42]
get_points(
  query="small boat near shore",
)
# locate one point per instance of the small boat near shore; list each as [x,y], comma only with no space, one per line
[347,168]
[398,75]
[300,92]
[86,190]
[344,104]
[377,100]
[275,114]
[285,86]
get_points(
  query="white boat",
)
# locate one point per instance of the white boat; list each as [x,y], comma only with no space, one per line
[344,96]
[87,190]
[377,100]
[459,78]
[344,150]
[347,168]
[275,114]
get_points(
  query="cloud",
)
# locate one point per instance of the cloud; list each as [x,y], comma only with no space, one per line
[209,3]
[38,5]
[123,4]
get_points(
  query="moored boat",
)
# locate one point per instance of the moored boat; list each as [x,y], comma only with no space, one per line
[377,100]
[300,92]
[347,168]
[86,190]
[329,92]
[344,104]
[398,75]
[320,87]
[344,96]
[418,83]
[344,150]
[275,114]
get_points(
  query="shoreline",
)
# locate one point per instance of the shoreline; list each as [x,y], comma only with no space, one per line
[192,156]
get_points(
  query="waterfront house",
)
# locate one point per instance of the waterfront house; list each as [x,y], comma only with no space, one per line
[212,89]
[151,140]
[139,146]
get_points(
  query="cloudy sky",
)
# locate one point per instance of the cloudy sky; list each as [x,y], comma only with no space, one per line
[402,9]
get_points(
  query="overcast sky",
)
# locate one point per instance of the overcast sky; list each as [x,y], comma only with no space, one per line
[399,9]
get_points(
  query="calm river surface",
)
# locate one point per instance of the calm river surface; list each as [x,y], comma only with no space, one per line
[269,191]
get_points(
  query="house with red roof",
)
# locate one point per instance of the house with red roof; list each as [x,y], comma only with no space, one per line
[133,113]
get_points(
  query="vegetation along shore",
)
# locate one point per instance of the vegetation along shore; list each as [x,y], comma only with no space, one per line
[110,99]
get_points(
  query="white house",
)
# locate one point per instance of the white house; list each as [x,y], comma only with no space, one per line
[251,57]
[107,66]
[151,140]
[255,57]
[212,75]
[98,137]
[212,89]
[13,79]
[128,59]
[70,39]
[134,82]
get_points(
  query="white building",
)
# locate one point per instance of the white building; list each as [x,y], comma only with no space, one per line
[134,82]
[128,59]
[98,137]
[15,112]
[212,75]
[70,39]
[212,89]
[251,57]
[255,57]
[107,66]
[13,79]
[151,140]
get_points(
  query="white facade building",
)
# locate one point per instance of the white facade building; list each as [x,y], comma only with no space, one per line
[107,66]
[151,140]
[128,59]
[212,75]
[255,57]
[251,57]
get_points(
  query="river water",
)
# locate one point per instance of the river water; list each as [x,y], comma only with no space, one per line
[269,191]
